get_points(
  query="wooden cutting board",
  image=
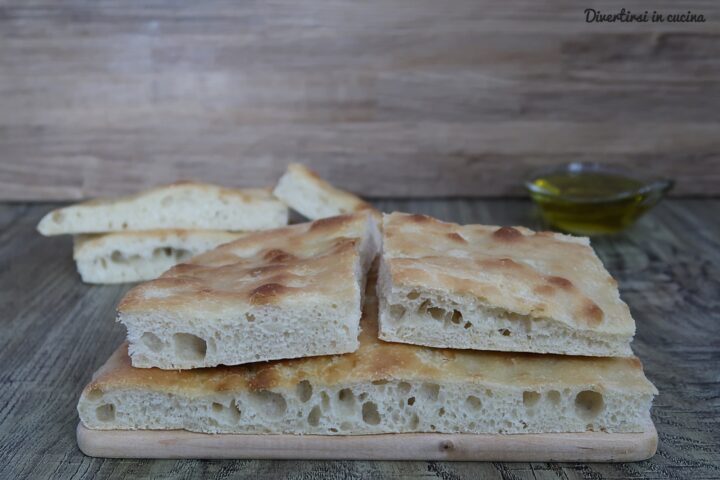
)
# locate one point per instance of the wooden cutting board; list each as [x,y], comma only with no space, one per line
[546,447]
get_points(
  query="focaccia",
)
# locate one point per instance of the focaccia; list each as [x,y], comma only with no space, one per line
[497,288]
[123,257]
[183,205]
[305,192]
[282,293]
[380,388]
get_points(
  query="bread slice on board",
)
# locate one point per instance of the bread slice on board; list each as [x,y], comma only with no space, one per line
[282,293]
[381,388]
[305,192]
[123,257]
[184,205]
[497,288]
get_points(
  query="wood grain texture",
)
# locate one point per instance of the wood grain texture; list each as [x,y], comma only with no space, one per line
[411,98]
[538,447]
[55,331]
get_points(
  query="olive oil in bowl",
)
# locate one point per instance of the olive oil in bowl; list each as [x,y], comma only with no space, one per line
[593,199]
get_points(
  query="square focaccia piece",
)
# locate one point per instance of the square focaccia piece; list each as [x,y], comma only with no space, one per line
[382,387]
[497,288]
[304,191]
[181,205]
[282,293]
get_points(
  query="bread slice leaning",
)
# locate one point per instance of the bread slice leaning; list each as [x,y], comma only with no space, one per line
[282,293]
[183,205]
[305,192]
[123,257]
[497,288]
[380,388]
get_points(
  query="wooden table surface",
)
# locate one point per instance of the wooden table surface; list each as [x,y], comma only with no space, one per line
[55,331]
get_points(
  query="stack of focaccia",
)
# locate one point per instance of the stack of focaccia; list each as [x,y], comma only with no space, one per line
[461,329]
[137,238]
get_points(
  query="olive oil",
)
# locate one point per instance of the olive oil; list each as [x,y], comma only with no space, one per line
[593,202]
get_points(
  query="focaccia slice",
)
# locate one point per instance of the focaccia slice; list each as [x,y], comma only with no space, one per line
[497,288]
[305,192]
[124,257]
[380,388]
[182,205]
[282,293]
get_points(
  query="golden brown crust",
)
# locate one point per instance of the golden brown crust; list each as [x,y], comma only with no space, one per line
[540,274]
[189,205]
[376,360]
[352,203]
[247,195]
[309,260]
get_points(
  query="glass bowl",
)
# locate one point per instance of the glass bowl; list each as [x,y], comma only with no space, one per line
[592,198]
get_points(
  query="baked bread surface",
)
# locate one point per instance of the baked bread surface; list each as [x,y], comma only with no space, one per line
[181,205]
[306,192]
[281,293]
[122,257]
[505,288]
[380,388]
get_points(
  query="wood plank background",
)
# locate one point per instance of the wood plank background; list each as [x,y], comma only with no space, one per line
[404,98]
